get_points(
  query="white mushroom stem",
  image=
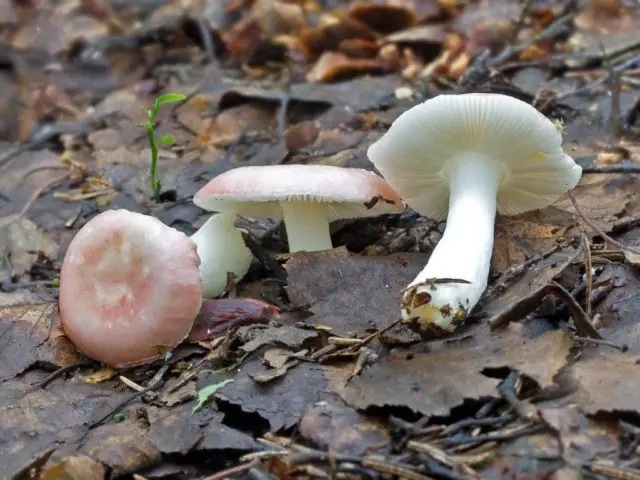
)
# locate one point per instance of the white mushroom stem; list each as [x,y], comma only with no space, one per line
[464,251]
[221,249]
[307,226]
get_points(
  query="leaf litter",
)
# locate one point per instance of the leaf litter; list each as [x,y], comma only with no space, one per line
[306,370]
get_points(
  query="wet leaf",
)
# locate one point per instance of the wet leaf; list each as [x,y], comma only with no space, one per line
[433,383]
[583,439]
[280,402]
[353,294]
[74,468]
[339,429]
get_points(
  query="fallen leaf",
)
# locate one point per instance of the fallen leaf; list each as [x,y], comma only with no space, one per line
[336,66]
[123,447]
[30,333]
[330,425]
[433,383]
[583,439]
[281,402]
[285,336]
[383,18]
[74,468]
[605,382]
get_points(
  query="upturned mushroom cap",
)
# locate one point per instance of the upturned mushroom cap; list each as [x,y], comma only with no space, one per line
[130,288]
[414,154]
[257,191]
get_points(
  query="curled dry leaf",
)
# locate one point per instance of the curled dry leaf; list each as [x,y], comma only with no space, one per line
[334,66]
[276,17]
[333,426]
[383,17]
[315,41]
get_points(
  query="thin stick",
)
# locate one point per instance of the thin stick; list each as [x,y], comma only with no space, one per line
[597,229]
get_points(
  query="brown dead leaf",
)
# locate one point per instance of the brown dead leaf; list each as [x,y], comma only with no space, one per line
[277,18]
[501,303]
[23,243]
[331,425]
[30,332]
[335,66]
[123,447]
[353,294]
[74,468]
[432,383]
[605,382]
[608,16]
[383,18]
[281,402]
[301,135]
[315,41]
[31,421]
[286,336]
[583,439]
[521,237]
[277,357]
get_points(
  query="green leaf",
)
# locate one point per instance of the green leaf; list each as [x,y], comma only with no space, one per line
[167,138]
[170,98]
[118,417]
[207,392]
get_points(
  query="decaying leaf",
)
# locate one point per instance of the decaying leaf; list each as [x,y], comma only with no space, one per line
[352,294]
[333,426]
[432,383]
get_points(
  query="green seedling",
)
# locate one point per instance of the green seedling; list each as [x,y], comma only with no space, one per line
[153,140]
[207,392]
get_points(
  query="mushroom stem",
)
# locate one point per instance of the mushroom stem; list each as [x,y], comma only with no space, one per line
[221,249]
[307,226]
[439,294]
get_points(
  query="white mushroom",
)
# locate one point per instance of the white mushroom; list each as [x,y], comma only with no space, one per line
[307,197]
[463,157]
[221,249]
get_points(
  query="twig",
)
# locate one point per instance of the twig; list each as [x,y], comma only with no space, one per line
[588,274]
[233,471]
[480,422]
[393,469]
[614,471]
[625,168]
[596,228]
[508,391]
[598,341]
[524,13]
[59,372]
[155,383]
[489,437]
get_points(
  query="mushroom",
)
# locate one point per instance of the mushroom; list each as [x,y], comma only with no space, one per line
[307,197]
[481,153]
[221,249]
[130,288]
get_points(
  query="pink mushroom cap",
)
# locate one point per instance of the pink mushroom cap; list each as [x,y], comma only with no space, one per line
[130,288]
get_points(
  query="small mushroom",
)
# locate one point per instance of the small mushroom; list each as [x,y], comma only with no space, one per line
[221,249]
[463,157]
[130,288]
[307,197]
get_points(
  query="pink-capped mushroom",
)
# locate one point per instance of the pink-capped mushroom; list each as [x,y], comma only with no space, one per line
[130,288]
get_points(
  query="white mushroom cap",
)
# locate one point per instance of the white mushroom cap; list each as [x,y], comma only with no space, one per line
[306,196]
[466,157]
[413,156]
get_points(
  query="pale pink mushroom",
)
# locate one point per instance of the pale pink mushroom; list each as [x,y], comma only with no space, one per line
[130,288]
